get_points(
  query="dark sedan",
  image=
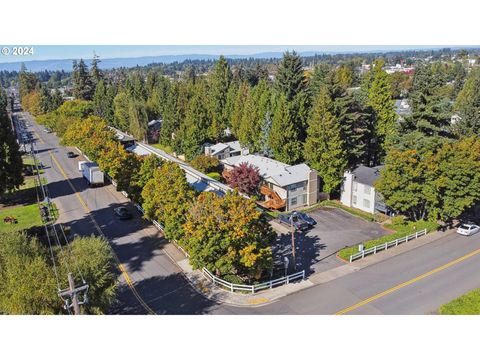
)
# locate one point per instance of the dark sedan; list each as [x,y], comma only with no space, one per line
[122,213]
[308,219]
[298,223]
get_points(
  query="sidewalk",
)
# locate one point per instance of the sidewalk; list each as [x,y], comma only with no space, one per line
[217,294]
[220,295]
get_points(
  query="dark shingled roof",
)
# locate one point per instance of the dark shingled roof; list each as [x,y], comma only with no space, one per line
[366,175]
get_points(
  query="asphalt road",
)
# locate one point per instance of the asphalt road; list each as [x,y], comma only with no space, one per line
[415,282]
[404,284]
[138,245]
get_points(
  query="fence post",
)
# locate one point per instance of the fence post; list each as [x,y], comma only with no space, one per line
[231,287]
[271,284]
[363,254]
[287,280]
[396,242]
[253,289]
[416,235]
[386,245]
[351,258]
[375,250]
[406,238]
[303,274]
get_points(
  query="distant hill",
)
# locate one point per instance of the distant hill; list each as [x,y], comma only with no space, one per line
[66,64]
[128,62]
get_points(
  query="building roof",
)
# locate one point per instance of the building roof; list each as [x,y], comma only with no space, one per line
[138,150]
[154,122]
[195,178]
[366,175]
[124,137]
[402,107]
[218,148]
[272,170]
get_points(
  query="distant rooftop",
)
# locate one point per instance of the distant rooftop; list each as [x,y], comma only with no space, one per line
[217,148]
[272,170]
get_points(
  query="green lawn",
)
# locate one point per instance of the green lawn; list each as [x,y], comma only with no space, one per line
[468,304]
[28,161]
[27,216]
[215,176]
[167,149]
[401,230]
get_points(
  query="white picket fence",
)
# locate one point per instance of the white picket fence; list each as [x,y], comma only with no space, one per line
[385,246]
[253,288]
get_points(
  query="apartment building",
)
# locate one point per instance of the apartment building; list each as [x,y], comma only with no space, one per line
[358,190]
[285,187]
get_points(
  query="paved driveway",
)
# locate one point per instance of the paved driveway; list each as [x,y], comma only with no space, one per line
[316,249]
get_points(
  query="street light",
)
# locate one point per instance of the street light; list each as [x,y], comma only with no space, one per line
[293,217]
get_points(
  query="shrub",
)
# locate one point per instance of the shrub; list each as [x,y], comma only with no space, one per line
[206,164]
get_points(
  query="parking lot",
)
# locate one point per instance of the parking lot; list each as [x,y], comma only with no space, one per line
[316,248]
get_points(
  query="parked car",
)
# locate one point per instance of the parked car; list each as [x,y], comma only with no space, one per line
[70,154]
[298,223]
[468,229]
[308,219]
[122,213]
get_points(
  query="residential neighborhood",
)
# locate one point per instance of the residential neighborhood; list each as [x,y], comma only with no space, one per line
[242,185]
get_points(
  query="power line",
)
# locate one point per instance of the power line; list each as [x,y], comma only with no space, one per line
[70,296]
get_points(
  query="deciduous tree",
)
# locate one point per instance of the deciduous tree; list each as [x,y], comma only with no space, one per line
[245,178]
[227,235]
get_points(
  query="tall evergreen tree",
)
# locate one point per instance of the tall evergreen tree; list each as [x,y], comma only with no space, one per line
[290,80]
[219,84]
[138,120]
[319,78]
[95,72]
[430,107]
[103,102]
[194,130]
[121,105]
[380,99]
[288,133]
[83,87]
[284,135]
[467,105]
[11,165]
[324,147]
[238,108]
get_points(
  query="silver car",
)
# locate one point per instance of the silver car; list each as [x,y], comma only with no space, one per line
[468,229]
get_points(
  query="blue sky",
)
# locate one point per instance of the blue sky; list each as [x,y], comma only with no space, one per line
[48,52]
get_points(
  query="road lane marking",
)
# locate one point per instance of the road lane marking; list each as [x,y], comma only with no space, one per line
[120,265]
[409,282]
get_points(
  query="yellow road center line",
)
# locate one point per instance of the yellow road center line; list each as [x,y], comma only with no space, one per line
[409,282]
[127,278]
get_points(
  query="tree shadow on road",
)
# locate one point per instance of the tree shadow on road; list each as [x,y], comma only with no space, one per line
[170,295]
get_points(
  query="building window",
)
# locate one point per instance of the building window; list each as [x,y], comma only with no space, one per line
[304,198]
[354,199]
[366,203]
[293,201]
[367,189]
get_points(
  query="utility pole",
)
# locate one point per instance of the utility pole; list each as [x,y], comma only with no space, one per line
[72,293]
[71,284]
[292,230]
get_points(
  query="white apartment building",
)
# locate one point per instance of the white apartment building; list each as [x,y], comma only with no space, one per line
[358,190]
